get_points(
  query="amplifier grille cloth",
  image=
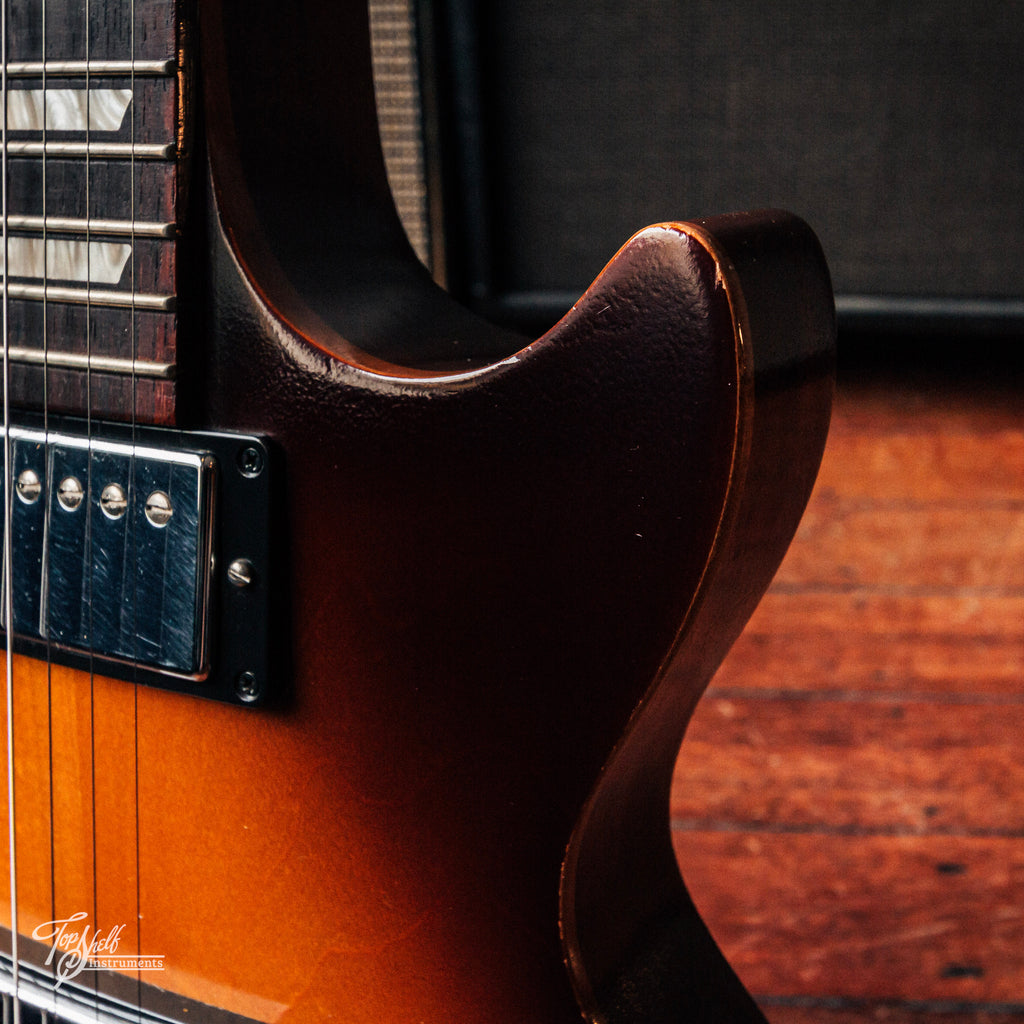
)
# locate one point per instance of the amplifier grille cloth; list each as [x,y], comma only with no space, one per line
[399,114]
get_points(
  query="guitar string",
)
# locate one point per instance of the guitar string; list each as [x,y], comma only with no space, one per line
[46,495]
[88,556]
[131,528]
[8,602]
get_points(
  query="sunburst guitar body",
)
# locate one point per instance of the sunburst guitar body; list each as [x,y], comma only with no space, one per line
[342,619]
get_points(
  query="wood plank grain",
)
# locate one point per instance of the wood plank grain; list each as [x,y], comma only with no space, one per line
[857,767]
[856,1011]
[926,488]
[794,612]
[886,403]
[847,804]
[920,918]
[978,549]
[815,642]
[973,463]
[841,664]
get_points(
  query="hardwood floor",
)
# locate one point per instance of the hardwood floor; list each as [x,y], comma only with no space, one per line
[849,803]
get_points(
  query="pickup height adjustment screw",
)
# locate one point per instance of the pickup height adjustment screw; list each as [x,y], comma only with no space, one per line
[250,461]
[70,493]
[159,508]
[247,688]
[241,572]
[113,501]
[28,486]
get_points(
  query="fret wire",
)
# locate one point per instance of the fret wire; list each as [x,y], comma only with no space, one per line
[97,68]
[95,225]
[99,364]
[92,296]
[103,150]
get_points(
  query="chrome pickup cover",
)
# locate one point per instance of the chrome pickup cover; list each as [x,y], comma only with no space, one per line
[115,540]
[95,567]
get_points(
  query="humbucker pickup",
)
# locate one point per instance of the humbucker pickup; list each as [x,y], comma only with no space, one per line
[143,554]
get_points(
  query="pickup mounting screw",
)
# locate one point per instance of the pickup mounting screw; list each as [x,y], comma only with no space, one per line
[113,501]
[241,572]
[159,508]
[250,461]
[70,493]
[247,689]
[28,486]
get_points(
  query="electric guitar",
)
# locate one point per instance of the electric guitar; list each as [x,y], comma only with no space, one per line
[341,619]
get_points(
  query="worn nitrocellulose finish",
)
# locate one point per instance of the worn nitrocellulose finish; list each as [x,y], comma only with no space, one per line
[489,550]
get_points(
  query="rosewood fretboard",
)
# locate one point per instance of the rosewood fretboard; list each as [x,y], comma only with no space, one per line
[93,130]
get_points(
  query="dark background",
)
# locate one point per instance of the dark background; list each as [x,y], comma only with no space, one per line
[895,129]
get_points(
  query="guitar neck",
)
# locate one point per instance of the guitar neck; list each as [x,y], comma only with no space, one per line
[93,163]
